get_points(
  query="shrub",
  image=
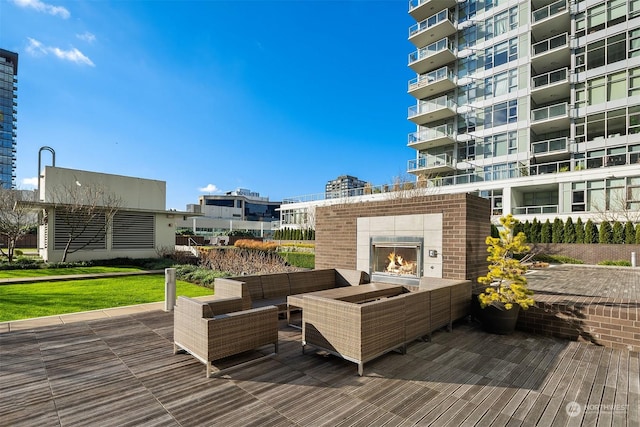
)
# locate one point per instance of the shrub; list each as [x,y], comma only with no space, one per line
[569,235]
[556,259]
[299,259]
[579,230]
[605,233]
[256,245]
[534,236]
[617,235]
[590,232]
[237,262]
[620,263]
[198,275]
[638,234]
[545,232]
[629,233]
[557,231]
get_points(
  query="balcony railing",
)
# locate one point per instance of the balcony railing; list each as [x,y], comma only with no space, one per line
[424,52]
[429,161]
[532,210]
[430,22]
[424,107]
[428,134]
[432,77]
[550,10]
[550,44]
[550,112]
[549,146]
[550,78]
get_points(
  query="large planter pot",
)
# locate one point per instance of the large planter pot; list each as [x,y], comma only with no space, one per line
[500,321]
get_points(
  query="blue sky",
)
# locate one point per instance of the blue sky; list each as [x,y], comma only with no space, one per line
[275,96]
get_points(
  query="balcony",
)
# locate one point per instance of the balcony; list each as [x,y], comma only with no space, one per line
[550,119]
[433,83]
[549,18]
[432,137]
[533,210]
[551,54]
[432,110]
[432,57]
[421,9]
[551,86]
[558,147]
[431,164]
[434,27]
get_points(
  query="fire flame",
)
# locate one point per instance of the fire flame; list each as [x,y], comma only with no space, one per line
[397,264]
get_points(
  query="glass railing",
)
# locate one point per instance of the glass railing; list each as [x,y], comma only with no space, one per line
[431,105]
[430,22]
[432,49]
[429,161]
[550,78]
[416,3]
[549,146]
[550,44]
[428,134]
[532,210]
[432,77]
[550,10]
[550,112]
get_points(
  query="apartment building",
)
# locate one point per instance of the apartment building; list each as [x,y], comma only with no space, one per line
[8,118]
[534,104]
[344,186]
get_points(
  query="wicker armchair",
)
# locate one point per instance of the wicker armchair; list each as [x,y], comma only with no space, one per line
[219,328]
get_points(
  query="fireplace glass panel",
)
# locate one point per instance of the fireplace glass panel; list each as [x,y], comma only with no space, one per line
[401,259]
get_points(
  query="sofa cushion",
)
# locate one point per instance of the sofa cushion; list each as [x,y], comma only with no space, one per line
[275,285]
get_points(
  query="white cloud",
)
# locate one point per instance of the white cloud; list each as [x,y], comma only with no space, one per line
[43,7]
[35,47]
[30,182]
[87,37]
[210,188]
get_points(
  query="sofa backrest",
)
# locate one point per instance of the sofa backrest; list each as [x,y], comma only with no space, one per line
[344,277]
[275,285]
[301,282]
[208,309]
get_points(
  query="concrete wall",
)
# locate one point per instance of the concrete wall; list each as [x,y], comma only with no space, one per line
[465,226]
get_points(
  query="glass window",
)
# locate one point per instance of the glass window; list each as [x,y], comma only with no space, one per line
[634,82]
[617,12]
[616,48]
[634,119]
[617,86]
[595,126]
[596,18]
[596,91]
[595,54]
[634,43]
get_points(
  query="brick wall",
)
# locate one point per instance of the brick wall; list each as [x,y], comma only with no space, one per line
[603,321]
[465,225]
[590,253]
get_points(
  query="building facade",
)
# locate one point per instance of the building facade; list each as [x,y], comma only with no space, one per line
[240,209]
[532,104]
[8,117]
[344,186]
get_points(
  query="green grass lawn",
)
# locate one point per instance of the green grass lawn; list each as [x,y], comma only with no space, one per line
[25,301]
[39,272]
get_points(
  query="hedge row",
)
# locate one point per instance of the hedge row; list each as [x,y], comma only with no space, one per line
[567,231]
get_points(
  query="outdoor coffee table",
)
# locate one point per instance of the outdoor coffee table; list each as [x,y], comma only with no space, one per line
[360,293]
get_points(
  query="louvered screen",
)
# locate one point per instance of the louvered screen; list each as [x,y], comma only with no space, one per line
[133,230]
[86,232]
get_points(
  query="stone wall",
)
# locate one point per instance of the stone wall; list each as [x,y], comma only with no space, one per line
[465,226]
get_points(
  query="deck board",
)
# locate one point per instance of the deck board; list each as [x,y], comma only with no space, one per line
[122,371]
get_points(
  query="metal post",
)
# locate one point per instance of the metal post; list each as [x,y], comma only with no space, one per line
[633,259]
[169,288]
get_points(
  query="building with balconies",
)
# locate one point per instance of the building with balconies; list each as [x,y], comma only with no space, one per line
[534,104]
[8,117]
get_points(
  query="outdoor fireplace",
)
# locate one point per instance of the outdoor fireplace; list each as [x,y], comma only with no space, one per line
[396,259]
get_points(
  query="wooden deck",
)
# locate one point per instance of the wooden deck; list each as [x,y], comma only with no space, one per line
[122,371]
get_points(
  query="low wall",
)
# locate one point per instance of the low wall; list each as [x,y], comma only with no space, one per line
[589,253]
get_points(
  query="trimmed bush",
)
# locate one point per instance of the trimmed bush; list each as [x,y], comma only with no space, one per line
[569,234]
[590,232]
[619,263]
[546,232]
[556,259]
[605,233]
[629,233]
[579,231]
[557,231]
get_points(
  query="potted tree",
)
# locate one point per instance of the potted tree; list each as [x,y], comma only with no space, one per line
[506,283]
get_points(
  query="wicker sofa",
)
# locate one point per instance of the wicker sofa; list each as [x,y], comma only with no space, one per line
[273,289]
[219,328]
[360,332]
